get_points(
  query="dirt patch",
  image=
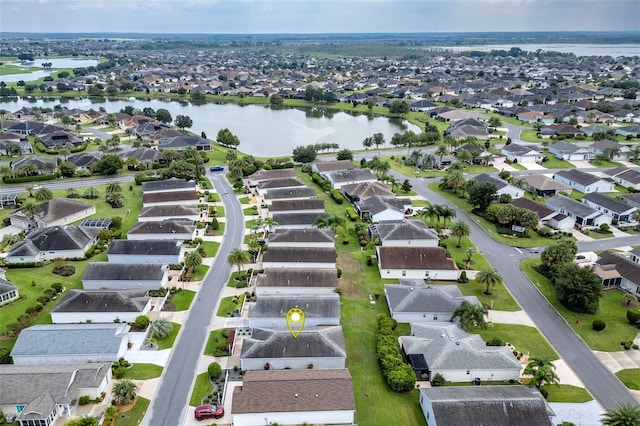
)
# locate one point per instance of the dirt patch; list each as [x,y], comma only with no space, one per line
[352,281]
[630,304]
[169,307]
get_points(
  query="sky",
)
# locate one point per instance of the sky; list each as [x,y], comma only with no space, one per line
[316,16]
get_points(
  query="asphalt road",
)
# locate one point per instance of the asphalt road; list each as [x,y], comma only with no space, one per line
[169,407]
[605,387]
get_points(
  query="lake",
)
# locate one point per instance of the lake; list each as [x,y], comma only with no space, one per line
[56,63]
[263,131]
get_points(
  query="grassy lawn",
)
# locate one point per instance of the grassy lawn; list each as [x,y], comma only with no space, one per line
[143,371]
[630,377]
[555,163]
[598,235]
[500,299]
[567,393]
[227,305]
[244,200]
[518,166]
[219,211]
[234,283]
[168,341]
[201,388]
[605,163]
[527,340]
[420,203]
[611,311]
[182,299]
[459,254]
[531,135]
[199,273]
[135,415]
[251,211]
[216,344]
[211,248]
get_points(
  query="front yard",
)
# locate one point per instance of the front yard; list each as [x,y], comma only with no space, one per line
[525,339]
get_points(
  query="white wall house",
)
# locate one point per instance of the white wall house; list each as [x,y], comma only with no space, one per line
[8,291]
[300,257]
[416,262]
[298,281]
[146,251]
[583,182]
[319,310]
[502,186]
[101,306]
[125,276]
[522,154]
[165,230]
[309,237]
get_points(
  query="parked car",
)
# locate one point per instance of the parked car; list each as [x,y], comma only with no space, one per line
[216,168]
[209,411]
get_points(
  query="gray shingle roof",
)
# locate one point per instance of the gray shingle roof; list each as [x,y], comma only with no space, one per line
[145,247]
[625,267]
[310,235]
[177,196]
[309,219]
[576,208]
[169,184]
[103,301]
[607,202]
[279,277]
[276,194]
[58,208]
[349,175]
[328,166]
[162,227]
[6,286]
[518,149]
[300,254]
[277,305]
[38,409]
[543,183]
[378,204]
[391,230]
[414,258]
[173,210]
[414,296]
[486,178]
[123,271]
[325,342]
[364,190]
[578,176]
[54,238]
[261,175]
[285,182]
[293,205]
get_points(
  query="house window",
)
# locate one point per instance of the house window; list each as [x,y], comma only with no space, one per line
[435,317]
[404,273]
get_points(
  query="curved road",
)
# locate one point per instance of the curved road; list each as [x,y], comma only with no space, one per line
[169,406]
[605,387]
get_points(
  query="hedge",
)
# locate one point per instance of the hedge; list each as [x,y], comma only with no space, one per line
[633,317]
[36,178]
[400,376]
[353,216]
[337,196]
[139,179]
[42,148]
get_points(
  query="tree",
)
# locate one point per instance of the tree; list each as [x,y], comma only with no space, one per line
[30,209]
[13,149]
[460,229]
[367,142]
[163,116]
[160,328]
[113,188]
[304,154]
[494,122]
[226,138]
[124,392]
[560,252]
[67,169]
[141,322]
[488,277]
[214,370]
[115,199]
[578,288]
[276,100]
[446,212]
[469,252]
[184,122]
[108,165]
[269,223]
[192,260]
[43,194]
[399,107]
[542,371]
[344,154]
[378,139]
[625,415]
[482,195]
[91,193]
[238,257]
[441,151]
[406,185]
[470,315]
[83,421]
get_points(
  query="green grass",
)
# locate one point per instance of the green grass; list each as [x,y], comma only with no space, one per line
[219,211]
[611,311]
[211,248]
[182,299]
[459,254]
[527,340]
[216,344]
[251,211]
[518,166]
[500,299]
[630,377]
[605,163]
[199,273]
[236,284]
[201,388]
[420,203]
[135,415]
[143,371]
[227,305]
[567,393]
[598,235]
[244,200]
[555,163]
[531,135]
[168,341]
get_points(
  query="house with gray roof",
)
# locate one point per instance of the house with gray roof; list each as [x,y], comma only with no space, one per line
[505,405]
[300,257]
[583,182]
[64,242]
[146,251]
[412,301]
[188,198]
[404,232]
[629,178]
[364,190]
[584,215]
[162,230]
[70,344]
[168,185]
[181,142]
[617,271]
[522,154]
[42,394]
[468,127]
[430,263]
[610,149]
[330,166]
[289,194]
[101,306]
[631,199]
[619,211]
[338,178]
[378,208]
[263,175]
[457,355]
[8,291]
[307,237]
[297,220]
[634,255]
[546,215]
[570,152]
[125,276]
[541,185]
[502,186]
[311,205]
[54,212]
[314,396]
[176,212]
[266,186]
[314,347]
[270,310]
[296,281]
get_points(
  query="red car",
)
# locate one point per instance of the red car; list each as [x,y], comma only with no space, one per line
[208,411]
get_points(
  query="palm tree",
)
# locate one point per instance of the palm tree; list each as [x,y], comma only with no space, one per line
[441,151]
[636,215]
[65,152]
[238,257]
[460,229]
[91,193]
[625,415]
[113,188]
[269,224]
[470,314]
[429,212]
[257,225]
[72,193]
[115,200]
[30,210]
[447,213]
[542,371]
[470,252]
[43,194]
[334,222]
[124,392]
[192,260]
[160,328]
[488,277]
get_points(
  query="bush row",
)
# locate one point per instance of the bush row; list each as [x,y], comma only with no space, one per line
[353,216]
[337,196]
[400,376]
[36,178]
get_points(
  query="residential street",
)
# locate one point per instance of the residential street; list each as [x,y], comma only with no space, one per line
[604,386]
[169,406]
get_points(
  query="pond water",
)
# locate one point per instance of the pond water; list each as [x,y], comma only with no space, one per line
[56,63]
[263,131]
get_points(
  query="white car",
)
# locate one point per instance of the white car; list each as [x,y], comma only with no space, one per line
[36,187]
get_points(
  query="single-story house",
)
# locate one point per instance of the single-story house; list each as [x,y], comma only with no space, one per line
[362,191]
[41,394]
[168,185]
[311,205]
[457,355]
[618,210]
[522,154]
[178,212]
[101,306]
[331,166]
[84,160]
[629,178]
[70,344]
[583,182]
[300,257]
[416,262]
[378,208]
[146,251]
[584,215]
[61,137]
[570,152]
[541,185]
[309,237]
[634,255]
[269,310]
[314,347]
[502,186]
[186,198]
[296,281]
[504,405]
[266,186]
[64,242]
[45,165]
[404,232]
[546,215]
[55,212]
[162,230]
[289,194]
[125,276]
[611,149]
[412,301]
[632,199]
[184,141]
[617,271]
[263,175]
[296,220]
[338,178]
[468,127]
[8,291]
[294,397]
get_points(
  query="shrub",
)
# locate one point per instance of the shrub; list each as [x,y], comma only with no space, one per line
[118,371]
[353,216]
[142,321]
[438,380]
[463,277]
[496,341]
[598,325]
[633,317]
[337,196]
[401,378]
[545,232]
[214,370]
[84,400]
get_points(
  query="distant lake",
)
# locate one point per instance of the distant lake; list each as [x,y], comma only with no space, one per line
[263,131]
[577,49]
[56,63]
